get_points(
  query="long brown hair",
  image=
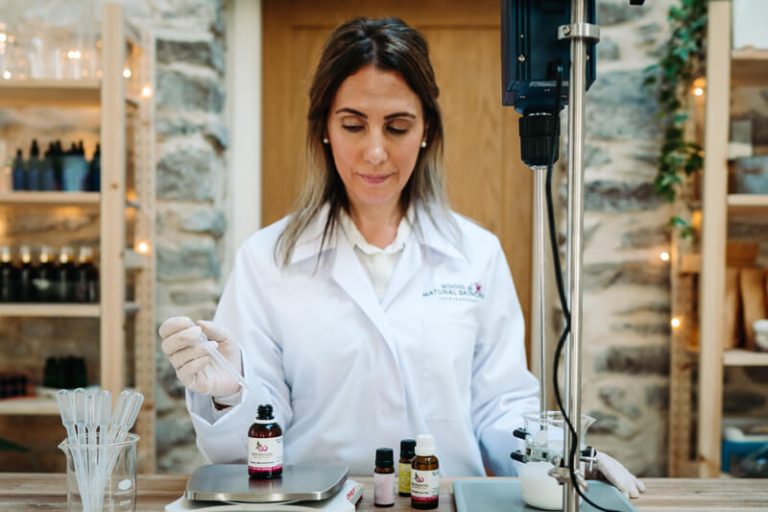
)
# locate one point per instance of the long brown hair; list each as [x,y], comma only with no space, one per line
[389,44]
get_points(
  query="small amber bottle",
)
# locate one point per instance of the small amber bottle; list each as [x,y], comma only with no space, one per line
[425,475]
[265,445]
[384,478]
[404,466]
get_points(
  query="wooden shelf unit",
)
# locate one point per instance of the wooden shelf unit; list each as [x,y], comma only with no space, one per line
[748,205]
[50,93]
[29,406]
[737,357]
[50,198]
[112,95]
[701,311]
[749,67]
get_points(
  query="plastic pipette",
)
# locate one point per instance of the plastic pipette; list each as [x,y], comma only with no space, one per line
[210,346]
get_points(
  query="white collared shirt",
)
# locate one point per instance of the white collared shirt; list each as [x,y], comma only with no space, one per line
[379,263]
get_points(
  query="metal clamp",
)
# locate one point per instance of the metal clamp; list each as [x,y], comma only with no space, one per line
[563,475]
[579,31]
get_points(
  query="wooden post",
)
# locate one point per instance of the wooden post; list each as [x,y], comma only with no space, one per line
[714,232]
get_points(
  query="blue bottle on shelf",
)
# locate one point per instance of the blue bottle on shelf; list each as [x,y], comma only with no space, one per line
[34,166]
[46,175]
[74,169]
[19,173]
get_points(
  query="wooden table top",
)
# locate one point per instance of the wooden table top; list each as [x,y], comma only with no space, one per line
[23,492]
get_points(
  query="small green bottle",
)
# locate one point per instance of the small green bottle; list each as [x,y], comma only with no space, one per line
[407,454]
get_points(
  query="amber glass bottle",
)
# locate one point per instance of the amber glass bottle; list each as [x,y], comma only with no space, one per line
[425,475]
[44,277]
[404,466]
[265,445]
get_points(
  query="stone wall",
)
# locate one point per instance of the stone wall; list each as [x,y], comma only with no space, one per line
[626,286]
[191,185]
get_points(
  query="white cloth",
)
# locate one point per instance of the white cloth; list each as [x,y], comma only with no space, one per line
[442,353]
[379,263]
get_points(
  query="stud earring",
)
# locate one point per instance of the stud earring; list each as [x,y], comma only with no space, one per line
[423,143]
[325,140]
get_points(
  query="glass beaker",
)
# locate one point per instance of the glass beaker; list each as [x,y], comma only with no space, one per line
[101,476]
[547,432]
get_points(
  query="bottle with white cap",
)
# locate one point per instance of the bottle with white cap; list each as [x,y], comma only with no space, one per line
[425,475]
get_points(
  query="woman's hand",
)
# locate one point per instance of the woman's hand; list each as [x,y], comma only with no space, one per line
[617,475]
[183,343]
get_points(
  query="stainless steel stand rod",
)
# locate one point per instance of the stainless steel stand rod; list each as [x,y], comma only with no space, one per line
[538,267]
[576,90]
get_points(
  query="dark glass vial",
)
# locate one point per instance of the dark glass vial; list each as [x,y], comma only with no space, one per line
[44,277]
[407,454]
[384,478]
[65,276]
[26,291]
[9,276]
[265,445]
[86,280]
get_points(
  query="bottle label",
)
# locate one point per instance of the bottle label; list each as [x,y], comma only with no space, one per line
[383,488]
[265,454]
[425,485]
[403,478]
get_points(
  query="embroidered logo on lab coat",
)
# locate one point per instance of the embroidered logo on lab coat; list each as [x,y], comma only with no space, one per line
[457,292]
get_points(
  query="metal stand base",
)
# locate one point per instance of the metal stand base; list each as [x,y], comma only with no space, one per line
[506,495]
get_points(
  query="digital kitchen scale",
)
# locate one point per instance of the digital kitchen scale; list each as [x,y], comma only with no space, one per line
[506,494]
[231,483]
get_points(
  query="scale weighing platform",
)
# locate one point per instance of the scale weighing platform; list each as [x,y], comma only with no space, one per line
[228,487]
[506,496]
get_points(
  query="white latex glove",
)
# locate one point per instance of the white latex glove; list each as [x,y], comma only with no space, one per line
[183,343]
[619,476]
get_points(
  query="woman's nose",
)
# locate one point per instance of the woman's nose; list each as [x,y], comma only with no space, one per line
[375,152]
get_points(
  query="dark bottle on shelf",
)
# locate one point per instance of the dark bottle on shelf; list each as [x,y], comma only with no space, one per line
[58,162]
[26,291]
[94,171]
[9,276]
[46,176]
[44,277]
[65,275]
[86,282]
[34,166]
[19,173]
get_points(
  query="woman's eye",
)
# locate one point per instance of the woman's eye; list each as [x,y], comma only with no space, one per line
[396,130]
[352,127]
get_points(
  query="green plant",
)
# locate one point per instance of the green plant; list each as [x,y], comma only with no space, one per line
[681,63]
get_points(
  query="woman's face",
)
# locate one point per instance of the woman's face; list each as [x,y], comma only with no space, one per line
[375,128]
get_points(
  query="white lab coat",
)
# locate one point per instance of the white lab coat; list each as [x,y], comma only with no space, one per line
[442,353]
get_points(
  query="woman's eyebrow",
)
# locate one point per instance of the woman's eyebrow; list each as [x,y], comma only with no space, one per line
[399,114]
[351,111]
[347,110]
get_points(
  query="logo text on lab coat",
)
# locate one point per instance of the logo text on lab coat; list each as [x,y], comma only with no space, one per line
[473,292]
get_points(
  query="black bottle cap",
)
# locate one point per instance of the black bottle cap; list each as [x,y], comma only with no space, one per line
[264,412]
[34,151]
[407,448]
[384,457]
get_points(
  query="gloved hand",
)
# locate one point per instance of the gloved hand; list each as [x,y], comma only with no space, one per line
[183,342]
[617,475]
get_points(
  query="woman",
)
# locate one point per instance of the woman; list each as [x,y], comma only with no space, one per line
[372,313]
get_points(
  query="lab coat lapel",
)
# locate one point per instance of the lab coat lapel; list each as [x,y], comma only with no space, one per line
[350,275]
[407,265]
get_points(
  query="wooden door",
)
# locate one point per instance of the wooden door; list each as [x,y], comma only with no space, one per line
[486,180]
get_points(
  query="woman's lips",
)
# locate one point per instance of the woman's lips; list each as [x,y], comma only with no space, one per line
[374,179]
